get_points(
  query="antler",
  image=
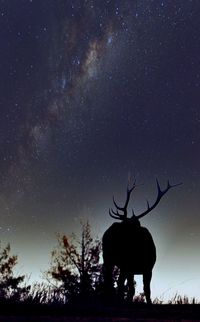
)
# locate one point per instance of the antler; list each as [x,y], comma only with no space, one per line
[116,214]
[160,194]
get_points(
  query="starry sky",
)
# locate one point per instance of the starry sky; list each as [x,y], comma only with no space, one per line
[94,93]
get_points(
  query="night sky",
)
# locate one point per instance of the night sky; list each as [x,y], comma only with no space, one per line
[94,93]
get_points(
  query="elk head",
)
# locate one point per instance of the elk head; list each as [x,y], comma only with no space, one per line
[121,212]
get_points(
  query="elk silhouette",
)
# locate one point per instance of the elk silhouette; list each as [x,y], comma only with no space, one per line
[130,247]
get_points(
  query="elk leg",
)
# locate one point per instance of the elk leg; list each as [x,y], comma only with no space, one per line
[120,284]
[147,280]
[131,287]
[108,280]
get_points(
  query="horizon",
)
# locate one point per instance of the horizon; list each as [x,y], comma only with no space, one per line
[164,285]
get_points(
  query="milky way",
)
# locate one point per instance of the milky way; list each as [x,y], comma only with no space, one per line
[93,93]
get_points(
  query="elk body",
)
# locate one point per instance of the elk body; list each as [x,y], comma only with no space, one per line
[130,247]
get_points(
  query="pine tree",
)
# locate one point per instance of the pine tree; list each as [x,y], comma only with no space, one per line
[10,285]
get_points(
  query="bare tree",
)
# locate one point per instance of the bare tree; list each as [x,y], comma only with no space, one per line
[75,263]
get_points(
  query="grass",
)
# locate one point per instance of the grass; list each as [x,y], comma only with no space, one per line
[46,304]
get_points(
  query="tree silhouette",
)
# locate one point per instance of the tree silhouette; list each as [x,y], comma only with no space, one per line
[10,286]
[75,263]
